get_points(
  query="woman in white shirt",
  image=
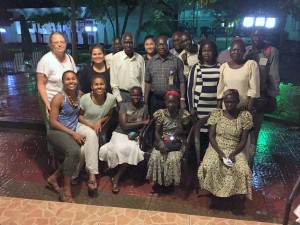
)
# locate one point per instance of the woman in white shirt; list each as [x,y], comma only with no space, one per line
[241,75]
[49,72]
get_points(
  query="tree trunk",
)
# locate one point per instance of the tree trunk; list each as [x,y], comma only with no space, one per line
[111,22]
[26,38]
[140,21]
[73,28]
[117,18]
[128,12]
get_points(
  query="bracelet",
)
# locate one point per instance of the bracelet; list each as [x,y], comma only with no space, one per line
[182,99]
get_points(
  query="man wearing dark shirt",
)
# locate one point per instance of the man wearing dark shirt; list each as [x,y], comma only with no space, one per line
[164,72]
[267,58]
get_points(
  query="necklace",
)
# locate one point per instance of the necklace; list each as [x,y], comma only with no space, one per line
[73,103]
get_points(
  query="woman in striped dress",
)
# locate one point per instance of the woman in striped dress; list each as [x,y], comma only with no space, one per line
[202,89]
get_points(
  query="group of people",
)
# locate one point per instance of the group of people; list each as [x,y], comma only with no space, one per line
[175,88]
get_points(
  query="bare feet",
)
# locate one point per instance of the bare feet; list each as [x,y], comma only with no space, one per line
[52,185]
[65,197]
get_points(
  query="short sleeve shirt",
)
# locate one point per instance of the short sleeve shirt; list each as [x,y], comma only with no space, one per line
[54,70]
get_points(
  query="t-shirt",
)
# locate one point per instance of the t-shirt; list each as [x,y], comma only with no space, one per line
[133,115]
[53,69]
[88,73]
[93,112]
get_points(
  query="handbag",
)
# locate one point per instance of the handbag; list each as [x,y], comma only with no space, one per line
[172,143]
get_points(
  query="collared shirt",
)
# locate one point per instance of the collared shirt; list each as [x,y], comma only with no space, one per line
[126,72]
[108,58]
[268,69]
[192,59]
[158,71]
[174,52]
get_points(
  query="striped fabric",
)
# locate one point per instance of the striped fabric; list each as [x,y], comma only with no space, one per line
[202,89]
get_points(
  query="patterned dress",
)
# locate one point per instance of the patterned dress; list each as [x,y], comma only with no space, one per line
[202,89]
[166,169]
[214,176]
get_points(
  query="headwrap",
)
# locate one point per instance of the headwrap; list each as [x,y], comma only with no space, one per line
[172,92]
[231,92]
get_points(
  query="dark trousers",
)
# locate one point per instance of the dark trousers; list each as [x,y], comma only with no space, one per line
[156,102]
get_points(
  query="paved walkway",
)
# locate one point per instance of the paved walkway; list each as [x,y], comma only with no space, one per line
[25,165]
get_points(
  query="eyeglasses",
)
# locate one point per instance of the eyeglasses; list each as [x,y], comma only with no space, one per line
[59,42]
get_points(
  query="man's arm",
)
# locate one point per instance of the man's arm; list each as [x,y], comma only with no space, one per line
[114,79]
[147,82]
[273,76]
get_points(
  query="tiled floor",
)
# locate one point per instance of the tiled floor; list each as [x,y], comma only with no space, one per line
[25,165]
[24,211]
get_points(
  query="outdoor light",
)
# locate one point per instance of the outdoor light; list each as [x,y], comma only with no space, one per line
[88,29]
[260,21]
[248,22]
[95,29]
[2,30]
[270,22]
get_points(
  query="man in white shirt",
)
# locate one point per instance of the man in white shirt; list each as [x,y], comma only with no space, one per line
[189,55]
[127,70]
[116,47]
[176,42]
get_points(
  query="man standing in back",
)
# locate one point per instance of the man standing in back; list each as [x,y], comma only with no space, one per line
[189,55]
[127,70]
[176,42]
[116,47]
[164,72]
[267,58]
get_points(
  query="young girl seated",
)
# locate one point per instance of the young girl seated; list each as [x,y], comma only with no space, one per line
[123,149]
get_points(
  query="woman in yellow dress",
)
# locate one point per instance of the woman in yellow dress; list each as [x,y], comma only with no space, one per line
[224,171]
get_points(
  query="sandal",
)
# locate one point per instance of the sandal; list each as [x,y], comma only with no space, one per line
[65,198]
[92,191]
[115,187]
[53,187]
[74,181]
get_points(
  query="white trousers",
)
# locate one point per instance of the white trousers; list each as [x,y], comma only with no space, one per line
[89,151]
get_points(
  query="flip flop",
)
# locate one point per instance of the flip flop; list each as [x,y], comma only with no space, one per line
[92,191]
[115,187]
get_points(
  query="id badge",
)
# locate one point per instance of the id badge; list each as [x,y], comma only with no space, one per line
[171,80]
[263,61]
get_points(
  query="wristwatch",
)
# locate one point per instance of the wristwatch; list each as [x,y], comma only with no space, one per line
[182,99]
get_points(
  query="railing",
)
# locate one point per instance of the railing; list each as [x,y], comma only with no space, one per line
[13,60]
